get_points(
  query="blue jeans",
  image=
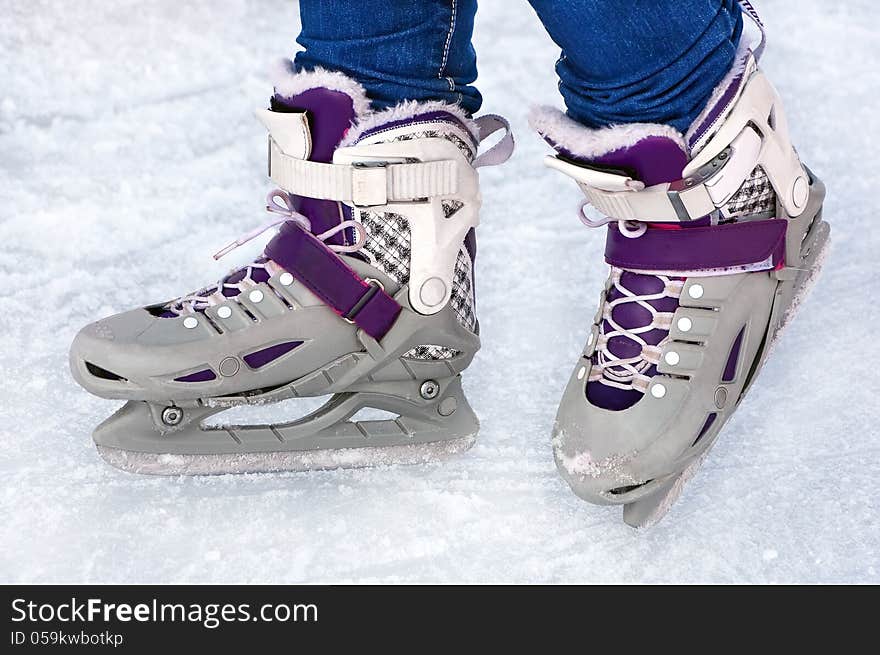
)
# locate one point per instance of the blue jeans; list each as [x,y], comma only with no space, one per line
[622,61]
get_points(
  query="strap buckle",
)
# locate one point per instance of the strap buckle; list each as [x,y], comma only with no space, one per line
[374,287]
[369,183]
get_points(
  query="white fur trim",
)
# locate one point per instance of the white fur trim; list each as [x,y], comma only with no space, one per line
[740,61]
[288,82]
[589,143]
[404,110]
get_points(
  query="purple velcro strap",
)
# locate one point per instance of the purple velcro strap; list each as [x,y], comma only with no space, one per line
[323,273]
[697,248]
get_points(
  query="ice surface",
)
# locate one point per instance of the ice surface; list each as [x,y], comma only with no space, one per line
[128,154]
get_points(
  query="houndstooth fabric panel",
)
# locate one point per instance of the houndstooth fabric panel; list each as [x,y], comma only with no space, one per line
[388,243]
[430,351]
[756,195]
[451,206]
[463,300]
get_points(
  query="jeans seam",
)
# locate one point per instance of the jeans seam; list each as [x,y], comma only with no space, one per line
[447,46]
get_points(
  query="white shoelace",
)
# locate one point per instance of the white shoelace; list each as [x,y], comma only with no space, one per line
[277,202]
[629,372]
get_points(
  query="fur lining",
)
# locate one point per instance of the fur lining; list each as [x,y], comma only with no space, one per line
[740,61]
[588,143]
[404,110]
[288,82]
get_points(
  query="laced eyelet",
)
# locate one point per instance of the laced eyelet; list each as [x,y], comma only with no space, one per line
[630,372]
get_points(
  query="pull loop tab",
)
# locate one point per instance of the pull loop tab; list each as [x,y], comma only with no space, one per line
[501,151]
[629,229]
[591,222]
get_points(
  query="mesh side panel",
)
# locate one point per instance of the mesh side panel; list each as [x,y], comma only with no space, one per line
[388,243]
[451,206]
[463,300]
[430,351]
[756,195]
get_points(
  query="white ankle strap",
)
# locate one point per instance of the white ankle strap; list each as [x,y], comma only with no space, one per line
[362,184]
[366,184]
[754,134]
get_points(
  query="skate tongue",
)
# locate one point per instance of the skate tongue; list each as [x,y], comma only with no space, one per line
[332,103]
[650,152]
[330,114]
[652,160]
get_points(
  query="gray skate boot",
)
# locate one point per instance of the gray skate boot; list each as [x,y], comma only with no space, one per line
[365,294]
[713,238]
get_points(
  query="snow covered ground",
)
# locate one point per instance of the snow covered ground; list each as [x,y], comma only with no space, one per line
[128,154]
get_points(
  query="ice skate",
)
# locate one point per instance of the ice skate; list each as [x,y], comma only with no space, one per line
[713,238]
[365,293]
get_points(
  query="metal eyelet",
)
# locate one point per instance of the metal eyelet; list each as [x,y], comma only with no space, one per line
[627,230]
[429,389]
[172,416]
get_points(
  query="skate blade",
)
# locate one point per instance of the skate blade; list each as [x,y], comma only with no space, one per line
[276,462]
[133,439]
[647,511]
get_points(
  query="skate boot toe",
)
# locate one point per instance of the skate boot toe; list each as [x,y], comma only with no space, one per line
[615,476]
[614,457]
[141,355]
[101,353]
[117,354]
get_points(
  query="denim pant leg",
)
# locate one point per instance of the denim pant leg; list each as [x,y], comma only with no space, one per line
[638,61]
[397,49]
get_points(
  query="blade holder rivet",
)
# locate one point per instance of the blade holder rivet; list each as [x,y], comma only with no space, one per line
[172,416]
[429,389]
